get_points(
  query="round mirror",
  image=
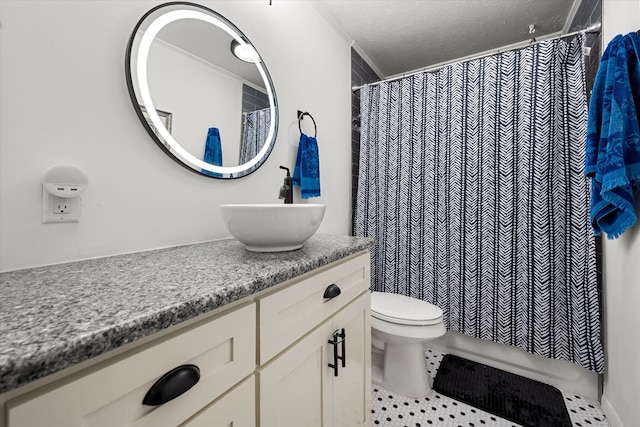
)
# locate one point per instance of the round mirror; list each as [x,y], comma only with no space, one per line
[201,90]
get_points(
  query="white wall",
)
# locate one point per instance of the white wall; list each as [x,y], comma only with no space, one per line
[64,101]
[621,395]
[194,101]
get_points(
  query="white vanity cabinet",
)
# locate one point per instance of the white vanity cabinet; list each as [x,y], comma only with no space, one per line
[263,361]
[296,384]
[111,394]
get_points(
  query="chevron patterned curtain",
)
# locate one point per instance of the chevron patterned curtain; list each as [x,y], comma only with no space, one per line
[471,181]
[255,128]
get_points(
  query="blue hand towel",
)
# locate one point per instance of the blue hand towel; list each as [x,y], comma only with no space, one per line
[613,137]
[213,151]
[306,173]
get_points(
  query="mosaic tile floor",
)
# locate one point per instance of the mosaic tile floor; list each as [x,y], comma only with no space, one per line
[393,410]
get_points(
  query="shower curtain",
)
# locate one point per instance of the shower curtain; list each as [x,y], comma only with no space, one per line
[255,128]
[471,182]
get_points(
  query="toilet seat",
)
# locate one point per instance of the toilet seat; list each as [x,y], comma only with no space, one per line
[404,310]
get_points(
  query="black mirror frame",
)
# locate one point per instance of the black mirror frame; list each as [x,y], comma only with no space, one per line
[151,132]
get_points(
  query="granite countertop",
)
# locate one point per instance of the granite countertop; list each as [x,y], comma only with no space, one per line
[56,316]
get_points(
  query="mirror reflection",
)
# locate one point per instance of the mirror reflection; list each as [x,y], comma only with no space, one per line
[210,110]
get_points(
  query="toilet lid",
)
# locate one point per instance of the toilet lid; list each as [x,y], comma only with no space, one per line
[404,310]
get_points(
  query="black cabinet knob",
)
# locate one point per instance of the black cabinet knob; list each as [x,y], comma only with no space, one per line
[172,384]
[332,291]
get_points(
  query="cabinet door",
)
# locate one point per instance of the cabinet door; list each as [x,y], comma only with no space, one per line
[234,409]
[298,388]
[351,389]
[294,389]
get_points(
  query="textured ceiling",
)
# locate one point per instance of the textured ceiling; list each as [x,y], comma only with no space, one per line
[404,35]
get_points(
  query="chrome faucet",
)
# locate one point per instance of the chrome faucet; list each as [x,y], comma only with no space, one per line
[286,191]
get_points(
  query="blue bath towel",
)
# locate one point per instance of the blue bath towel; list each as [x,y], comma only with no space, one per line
[613,137]
[306,173]
[213,151]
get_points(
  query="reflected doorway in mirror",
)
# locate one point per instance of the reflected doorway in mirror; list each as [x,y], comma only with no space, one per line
[165,117]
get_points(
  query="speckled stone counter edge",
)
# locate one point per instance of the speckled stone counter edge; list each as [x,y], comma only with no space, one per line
[26,355]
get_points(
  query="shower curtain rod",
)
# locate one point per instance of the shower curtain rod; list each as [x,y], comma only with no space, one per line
[595,28]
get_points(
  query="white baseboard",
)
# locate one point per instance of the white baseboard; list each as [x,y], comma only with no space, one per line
[564,375]
[610,412]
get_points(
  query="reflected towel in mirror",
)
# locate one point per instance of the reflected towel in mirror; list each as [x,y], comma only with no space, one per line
[213,151]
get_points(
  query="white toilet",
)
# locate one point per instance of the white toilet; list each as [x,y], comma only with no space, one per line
[400,328]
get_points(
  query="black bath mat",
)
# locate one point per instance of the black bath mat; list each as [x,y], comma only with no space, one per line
[515,398]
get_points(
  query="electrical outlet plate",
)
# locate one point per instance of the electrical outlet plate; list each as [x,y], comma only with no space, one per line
[59,209]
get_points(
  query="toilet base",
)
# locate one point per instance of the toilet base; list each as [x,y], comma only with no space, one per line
[402,369]
[377,363]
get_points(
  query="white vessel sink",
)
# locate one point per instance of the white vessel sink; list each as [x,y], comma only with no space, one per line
[272,227]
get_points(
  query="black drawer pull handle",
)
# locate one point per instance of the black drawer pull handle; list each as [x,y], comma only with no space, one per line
[332,291]
[172,384]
